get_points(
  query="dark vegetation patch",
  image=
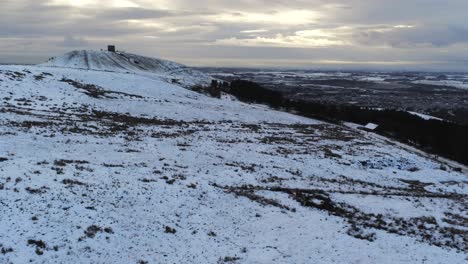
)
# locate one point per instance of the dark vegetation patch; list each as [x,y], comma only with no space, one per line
[173,134]
[244,166]
[255,93]
[329,153]
[361,233]
[169,230]
[252,127]
[108,165]
[24,101]
[146,180]
[171,181]
[424,228]
[213,90]
[132,151]
[308,133]
[39,77]
[355,184]
[108,230]
[71,182]
[14,75]
[279,140]
[192,186]
[228,259]
[64,162]
[107,123]
[83,168]
[89,89]
[456,220]
[39,244]
[416,185]
[41,190]
[5,250]
[31,124]
[58,170]
[249,193]
[97,92]
[273,179]
[128,120]
[93,230]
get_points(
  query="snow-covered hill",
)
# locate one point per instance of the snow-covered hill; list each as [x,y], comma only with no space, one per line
[116,167]
[130,63]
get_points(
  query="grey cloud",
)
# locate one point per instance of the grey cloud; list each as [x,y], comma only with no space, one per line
[187,30]
[73,42]
[135,13]
[432,35]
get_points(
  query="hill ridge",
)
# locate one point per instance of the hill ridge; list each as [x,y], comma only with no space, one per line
[129,63]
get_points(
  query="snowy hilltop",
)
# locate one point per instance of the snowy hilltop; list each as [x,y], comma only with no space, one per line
[104,158]
[129,63]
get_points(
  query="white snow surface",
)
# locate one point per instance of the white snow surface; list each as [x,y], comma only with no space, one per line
[100,166]
[424,116]
[453,83]
[371,126]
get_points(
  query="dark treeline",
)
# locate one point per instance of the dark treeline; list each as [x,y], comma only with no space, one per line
[442,138]
[253,92]
[459,115]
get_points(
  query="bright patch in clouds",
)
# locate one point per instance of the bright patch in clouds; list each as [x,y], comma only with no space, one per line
[403,26]
[94,3]
[251,31]
[300,39]
[314,33]
[279,40]
[291,17]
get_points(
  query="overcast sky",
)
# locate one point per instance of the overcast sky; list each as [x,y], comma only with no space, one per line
[341,34]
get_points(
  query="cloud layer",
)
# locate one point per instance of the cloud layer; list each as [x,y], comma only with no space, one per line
[397,34]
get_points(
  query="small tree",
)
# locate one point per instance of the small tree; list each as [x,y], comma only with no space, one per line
[215,89]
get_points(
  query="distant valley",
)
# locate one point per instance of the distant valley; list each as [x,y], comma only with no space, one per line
[444,95]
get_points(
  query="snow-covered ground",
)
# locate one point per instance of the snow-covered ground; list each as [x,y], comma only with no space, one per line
[115,167]
[460,84]
[424,116]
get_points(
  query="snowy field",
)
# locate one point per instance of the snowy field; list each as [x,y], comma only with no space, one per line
[106,167]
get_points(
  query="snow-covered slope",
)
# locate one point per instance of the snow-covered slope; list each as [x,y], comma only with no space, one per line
[110,167]
[130,63]
[424,116]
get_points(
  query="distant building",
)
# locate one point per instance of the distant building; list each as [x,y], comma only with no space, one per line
[111,48]
[371,127]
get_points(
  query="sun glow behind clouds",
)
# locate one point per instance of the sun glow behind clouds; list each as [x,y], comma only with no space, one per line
[288,17]
[280,40]
[94,3]
[403,26]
